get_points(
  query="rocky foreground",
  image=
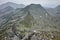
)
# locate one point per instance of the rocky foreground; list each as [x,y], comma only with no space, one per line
[32,35]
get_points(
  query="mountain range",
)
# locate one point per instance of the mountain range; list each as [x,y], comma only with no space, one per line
[11,4]
[29,18]
[7,8]
[54,11]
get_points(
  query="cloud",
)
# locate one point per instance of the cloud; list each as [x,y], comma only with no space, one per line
[36,1]
[42,2]
[3,1]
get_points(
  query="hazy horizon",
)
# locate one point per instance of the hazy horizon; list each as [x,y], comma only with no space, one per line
[45,3]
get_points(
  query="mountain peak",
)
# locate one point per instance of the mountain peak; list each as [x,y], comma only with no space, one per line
[35,9]
[34,5]
[58,6]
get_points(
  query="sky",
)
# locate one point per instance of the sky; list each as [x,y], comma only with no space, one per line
[45,3]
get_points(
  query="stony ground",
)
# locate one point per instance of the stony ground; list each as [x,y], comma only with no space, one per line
[41,35]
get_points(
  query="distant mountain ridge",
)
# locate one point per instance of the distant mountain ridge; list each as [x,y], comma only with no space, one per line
[58,8]
[13,5]
[54,11]
[7,9]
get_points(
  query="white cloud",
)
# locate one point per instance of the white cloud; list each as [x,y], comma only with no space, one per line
[43,2]
[3,1]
